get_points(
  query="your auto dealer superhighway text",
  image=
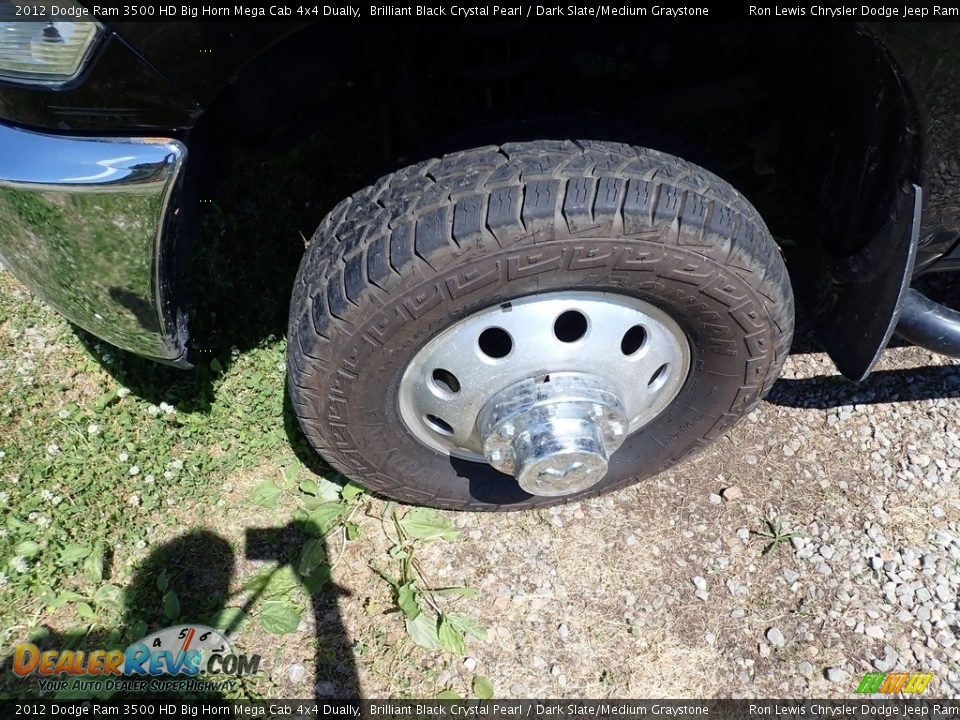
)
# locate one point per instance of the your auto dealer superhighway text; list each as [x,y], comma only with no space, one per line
[851,11]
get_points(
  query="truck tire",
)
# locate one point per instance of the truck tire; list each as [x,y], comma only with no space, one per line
[606,310]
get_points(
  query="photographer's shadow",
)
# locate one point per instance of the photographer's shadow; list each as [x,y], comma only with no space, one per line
[187,581]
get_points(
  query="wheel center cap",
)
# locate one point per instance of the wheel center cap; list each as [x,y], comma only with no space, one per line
[554,433]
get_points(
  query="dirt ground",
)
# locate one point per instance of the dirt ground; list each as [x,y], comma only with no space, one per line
[665,590]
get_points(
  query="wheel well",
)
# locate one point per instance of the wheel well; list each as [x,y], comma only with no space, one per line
[743,100]
[817,130]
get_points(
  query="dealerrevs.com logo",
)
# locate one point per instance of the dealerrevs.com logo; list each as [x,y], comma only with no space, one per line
[180,651]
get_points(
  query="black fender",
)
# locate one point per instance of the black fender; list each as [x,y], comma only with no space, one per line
[850,131]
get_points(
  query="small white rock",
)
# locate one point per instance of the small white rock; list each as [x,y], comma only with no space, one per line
[296,673]
[836,675]
[732,493]
[775,637]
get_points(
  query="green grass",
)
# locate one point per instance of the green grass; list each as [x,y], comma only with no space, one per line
[188,501]
[95,476]
[136,496]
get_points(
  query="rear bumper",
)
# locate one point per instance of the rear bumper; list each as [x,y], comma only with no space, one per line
[84,222]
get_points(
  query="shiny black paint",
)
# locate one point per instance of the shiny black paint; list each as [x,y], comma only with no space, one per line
[860,115]
[928,55]
[201,58]
[118,94]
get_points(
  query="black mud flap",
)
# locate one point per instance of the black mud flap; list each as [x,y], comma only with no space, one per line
[860,295]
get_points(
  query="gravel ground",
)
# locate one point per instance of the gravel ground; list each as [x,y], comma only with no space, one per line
[664,589]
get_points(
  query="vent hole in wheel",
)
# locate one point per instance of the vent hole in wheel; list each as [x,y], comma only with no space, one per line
[659,374]
[439,425]
[570,326]
[446,380]
[633,340]
[495,342]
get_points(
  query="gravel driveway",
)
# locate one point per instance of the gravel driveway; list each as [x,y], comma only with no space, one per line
[664,589]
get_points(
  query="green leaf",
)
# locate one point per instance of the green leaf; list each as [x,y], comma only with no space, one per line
[85,611]
[228,619]
[423,631]
[171,605]
[427,524]
[351,490]
[324,517]
[163,581]
[353,530]
[468,626]
[18,526]
[93,565]
[407,600]
[109,595]
[309,502]
[74,553]
[456,592]
[482,687]
[279,617]
[313,554]
[448,695]
[327,491]
[215,366]
[266,494]
[317,580]
[27,549]
[105,399]
[309,487]
[64,598]
[281,582]
[290,474]
[398,552]
[45,594]
[258,583]
[451,637]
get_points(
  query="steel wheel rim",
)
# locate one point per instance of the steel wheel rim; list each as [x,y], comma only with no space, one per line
[634,346]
